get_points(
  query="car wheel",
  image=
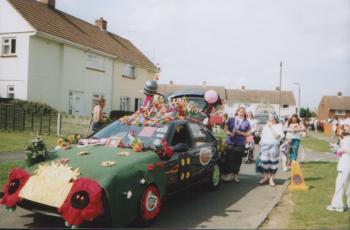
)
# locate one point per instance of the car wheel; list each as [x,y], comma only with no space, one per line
[215,175]
[149,204]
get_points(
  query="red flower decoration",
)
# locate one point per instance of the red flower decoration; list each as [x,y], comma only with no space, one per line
[17,179]
[150,167]
[160,164]
[84,202]
[167,149]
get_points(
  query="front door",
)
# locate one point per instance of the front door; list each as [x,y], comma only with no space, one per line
[76,103]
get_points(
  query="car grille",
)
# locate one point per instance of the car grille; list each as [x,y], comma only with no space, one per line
[38,208]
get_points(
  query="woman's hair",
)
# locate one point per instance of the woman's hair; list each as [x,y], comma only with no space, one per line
[251,114]
[239,108]
[291,119]
[275,117]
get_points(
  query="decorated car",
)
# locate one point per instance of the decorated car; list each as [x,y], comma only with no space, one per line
[123,171]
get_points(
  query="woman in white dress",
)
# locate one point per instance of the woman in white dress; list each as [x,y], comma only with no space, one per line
[270,140]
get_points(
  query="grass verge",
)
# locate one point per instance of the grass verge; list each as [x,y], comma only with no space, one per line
[310,207]
[311,144]
[16,141]
[5,168]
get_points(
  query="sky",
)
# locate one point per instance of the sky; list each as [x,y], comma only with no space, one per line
[236,43]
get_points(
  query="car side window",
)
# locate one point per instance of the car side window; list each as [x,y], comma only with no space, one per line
[181,135]
[199,136]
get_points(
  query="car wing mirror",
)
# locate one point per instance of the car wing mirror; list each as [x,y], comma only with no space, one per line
[181,147]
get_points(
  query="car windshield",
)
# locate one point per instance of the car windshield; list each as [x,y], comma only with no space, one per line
[151,136]
[262,118]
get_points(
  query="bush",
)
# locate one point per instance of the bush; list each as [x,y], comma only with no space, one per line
[30,106]
[116,114]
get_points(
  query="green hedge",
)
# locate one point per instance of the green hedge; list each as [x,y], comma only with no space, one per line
[29,106]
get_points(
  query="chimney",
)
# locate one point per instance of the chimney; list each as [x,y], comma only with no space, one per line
[340,94]
[171,82]
[243,87]
[50,3]
[204,83]
[277,88]
[101,24]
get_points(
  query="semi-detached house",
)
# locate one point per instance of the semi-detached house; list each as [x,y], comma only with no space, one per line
[49,56]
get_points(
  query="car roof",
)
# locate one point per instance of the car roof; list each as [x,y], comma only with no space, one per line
[187,93]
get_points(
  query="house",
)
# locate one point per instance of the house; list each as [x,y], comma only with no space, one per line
[259,101]
[256,100]
[334,106]
[50,56]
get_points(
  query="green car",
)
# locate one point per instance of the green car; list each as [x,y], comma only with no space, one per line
[121,173]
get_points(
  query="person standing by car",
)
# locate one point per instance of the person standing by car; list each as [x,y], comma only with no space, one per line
[251,139]
[97,115]
[270,140]
[237,129]
[294,128]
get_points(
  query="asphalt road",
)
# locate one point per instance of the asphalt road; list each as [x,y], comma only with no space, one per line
[240,206]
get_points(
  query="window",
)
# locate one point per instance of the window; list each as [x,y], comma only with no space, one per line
[95,62]
[125,103]
[285,106]
[10,91]
[340,112]
[8,46]
[181,135]
[200,138]
[129,71]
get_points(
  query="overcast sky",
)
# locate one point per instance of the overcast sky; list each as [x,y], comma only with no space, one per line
[236,42]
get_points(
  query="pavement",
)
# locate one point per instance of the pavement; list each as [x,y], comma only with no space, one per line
[232,206]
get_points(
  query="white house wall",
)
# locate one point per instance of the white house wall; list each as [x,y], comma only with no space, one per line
[133,88]
[14,70]
[56,69]
[231,107]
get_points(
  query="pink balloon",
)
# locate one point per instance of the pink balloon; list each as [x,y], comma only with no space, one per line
[211,96]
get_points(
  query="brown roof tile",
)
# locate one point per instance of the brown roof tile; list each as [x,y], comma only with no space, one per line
[63,25]
[260,96]
[338,102]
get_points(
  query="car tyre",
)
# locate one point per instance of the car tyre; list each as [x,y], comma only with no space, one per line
[149,206]
[215,175]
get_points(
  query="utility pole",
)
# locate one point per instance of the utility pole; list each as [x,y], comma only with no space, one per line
[280,91]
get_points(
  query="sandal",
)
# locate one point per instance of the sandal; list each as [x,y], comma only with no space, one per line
[263,181]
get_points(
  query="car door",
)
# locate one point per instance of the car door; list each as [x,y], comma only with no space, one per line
[202,152]
[178,168]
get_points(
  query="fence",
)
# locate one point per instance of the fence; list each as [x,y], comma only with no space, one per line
[15,118]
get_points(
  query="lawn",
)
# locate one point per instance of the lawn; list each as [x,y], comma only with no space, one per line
[5,168]
[310,207]
[16,141]
[311,144]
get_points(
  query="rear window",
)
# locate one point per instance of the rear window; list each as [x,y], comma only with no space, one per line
[262,118]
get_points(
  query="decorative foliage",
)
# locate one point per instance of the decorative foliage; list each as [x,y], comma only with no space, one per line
[164,150]
[137,145]
[84,202]
[36,151]
[159,113]
[17,179]
[66,142]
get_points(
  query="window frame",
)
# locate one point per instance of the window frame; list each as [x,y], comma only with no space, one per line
[129,71]
[10,92]
[125,103]
[95,62]
[10,46]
